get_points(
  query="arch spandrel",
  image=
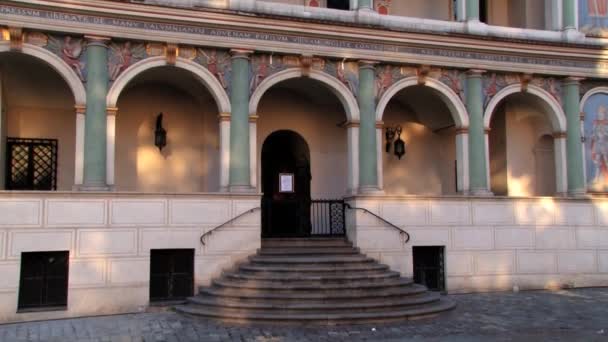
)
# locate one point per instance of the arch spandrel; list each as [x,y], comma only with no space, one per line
[72,79]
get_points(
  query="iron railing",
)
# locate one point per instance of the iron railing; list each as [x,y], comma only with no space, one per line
[209,232]
[405,236]
[327,218]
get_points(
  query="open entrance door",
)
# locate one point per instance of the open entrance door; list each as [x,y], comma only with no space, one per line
[286,185]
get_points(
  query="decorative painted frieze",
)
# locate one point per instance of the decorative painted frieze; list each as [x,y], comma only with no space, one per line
[595,133]
[493,83]
[383,7]
[124,54]
[265,65]
[217,62]
[388,74]
[71,50]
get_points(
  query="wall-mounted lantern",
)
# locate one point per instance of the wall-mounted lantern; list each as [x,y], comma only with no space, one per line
[399,145]
[160,134]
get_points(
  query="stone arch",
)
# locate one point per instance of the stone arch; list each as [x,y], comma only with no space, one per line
[204,76]
[555,112]
[556,116]
[450,98]
[64,70]
[458,112]
[338,88]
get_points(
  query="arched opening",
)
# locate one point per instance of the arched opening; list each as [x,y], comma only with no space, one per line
[286,178]
[429,166]
[521,148]
[189,161]
[37,116]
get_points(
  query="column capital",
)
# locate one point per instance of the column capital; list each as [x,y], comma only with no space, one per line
[487,131]
[380,124]
[97,41]
[241,53]
[475,72]
[582,116]
[111,111]
[80,109]
[367,64]
[573,80]
[224,117]
[560,135]
[253,118]
[16,37]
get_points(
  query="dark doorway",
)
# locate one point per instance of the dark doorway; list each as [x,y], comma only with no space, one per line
[339,4]
[285,209]
[171,274]
[429,269]
[44,280]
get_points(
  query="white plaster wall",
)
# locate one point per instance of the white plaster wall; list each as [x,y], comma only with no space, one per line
[109,237]
[189,162]
[492,244]
[39,104]
[316,119]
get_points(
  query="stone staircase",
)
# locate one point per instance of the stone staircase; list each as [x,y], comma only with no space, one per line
[313,280]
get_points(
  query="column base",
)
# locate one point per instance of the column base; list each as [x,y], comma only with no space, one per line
[573,35]
[93,187]
[481,192]
[476,27]
[577,193]
[243,189]
[370,190]
[368,16]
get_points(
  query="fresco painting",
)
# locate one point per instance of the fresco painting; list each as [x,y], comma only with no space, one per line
[596,142]
[593,17]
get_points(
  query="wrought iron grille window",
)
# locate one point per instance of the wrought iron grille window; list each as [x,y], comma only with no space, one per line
[171,274]
[31,164]
[429,267]
[44,280]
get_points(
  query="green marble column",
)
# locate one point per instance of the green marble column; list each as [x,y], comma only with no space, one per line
[569,14]
[472,9]
[477,140]
[95,122]
[368,171]
[239,123]
[365,4]
[574,148]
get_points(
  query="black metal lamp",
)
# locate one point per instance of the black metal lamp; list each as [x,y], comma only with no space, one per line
[160,134]
[399,144]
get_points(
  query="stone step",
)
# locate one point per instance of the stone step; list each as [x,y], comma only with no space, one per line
[282,287]
[351,295]
[309,251]
[306,278]
[294,307]
[320,270]
[312,242]
[319,318]
[316,260]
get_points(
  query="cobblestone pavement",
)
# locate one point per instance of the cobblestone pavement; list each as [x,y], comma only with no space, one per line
[572,315]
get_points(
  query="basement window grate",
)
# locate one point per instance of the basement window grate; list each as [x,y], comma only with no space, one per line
[429,267]
[171,274]
[44,280]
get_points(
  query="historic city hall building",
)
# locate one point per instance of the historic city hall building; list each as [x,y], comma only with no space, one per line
[461,143]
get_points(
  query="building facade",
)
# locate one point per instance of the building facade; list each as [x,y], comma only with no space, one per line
[500,106]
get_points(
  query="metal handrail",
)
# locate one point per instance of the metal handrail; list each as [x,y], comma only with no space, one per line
[404,235]
[202,239]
